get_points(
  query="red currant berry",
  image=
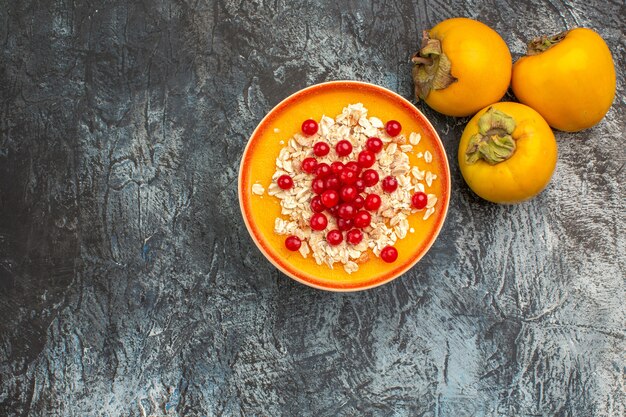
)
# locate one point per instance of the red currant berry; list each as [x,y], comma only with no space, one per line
[333,210]
[346,211]
[370,177]
[321,149]
[372,202]
[344,224]
[366,159]
[334,237]
[318,221]
[348,193]
[309,164]
[390,184]
[332,182]
[389,254]
[360,185]
[353,166]
[393,128]
[354,236]
[362,219]
[419,200]
[309,127]
[329,198]
[285,182]
[337,167]
[316,204]
[343,148]
[318,186]
[293,243]
[374,144]
[348,177]
[322,170]
[358,202]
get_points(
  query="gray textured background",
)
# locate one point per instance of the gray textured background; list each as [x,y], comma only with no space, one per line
[130,287]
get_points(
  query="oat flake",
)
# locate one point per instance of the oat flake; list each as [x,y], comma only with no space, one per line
[258,189]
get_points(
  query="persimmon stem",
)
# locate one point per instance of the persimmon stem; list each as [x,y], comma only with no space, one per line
[543,43]
[431,68]
[494,142]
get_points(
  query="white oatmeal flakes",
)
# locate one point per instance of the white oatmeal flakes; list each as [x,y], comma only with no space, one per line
[428,157]
[351,267]
[258,189]
[304,249]
[419,175]
[389,224]
[273,189]
[376,123]
[402,228]
[432,200]
[325,125]
[429,178]
[414,138]
[365,123]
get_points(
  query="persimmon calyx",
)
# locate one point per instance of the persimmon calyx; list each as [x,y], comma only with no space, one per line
[543,43]
[431,68]
[494,142]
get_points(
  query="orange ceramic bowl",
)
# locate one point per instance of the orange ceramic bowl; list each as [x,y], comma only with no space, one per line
[258,166]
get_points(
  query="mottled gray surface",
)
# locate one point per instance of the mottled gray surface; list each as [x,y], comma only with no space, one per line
[129,285]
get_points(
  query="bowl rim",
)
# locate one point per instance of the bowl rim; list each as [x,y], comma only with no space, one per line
[392,274]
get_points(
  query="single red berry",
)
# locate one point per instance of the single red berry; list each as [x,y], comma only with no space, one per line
[309,127]
[322,170]
[293,243]
[346,211]
[334,237]
[334,210]
[285,182]
[308,165]
[344,224]
[348,177]
[360,185]
[390,184]
[348,193]
[318,186]
[354,236]
[358,202]
[353,166]
[370,177]
[366,159]
[362,219]
[332,182]
[419,200]
[329,198]
[337,167]
[389,254]
[393,128]
[318,221]
[343,148]
[372,202]
[374,144]
[321,149]
[316,204]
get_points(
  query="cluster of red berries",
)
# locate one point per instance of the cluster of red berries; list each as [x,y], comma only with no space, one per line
[339,189]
